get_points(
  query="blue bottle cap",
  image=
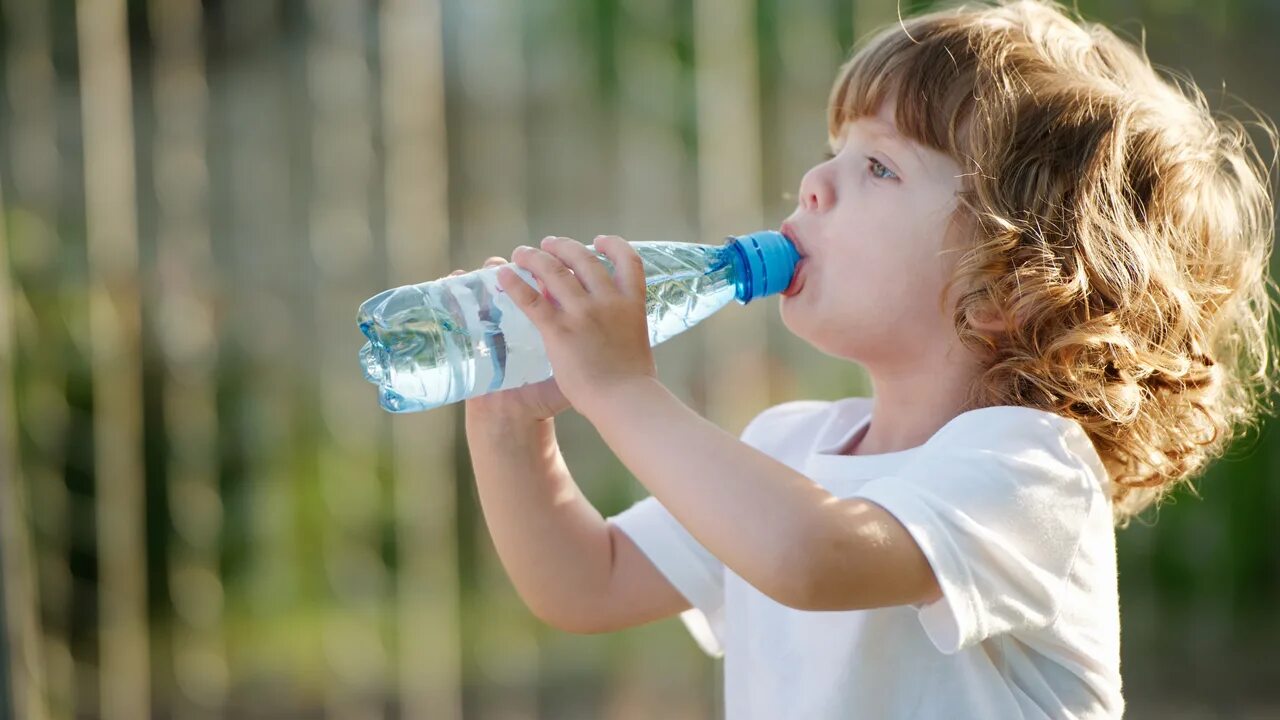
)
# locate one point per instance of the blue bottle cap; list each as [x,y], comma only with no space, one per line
[771,261]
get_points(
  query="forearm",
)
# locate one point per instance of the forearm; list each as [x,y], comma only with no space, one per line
[755,513]
[551,540]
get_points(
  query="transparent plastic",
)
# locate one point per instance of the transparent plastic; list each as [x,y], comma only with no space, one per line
[439,342]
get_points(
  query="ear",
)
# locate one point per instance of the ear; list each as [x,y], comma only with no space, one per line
[988,319]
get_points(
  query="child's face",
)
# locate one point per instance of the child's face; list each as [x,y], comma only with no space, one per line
[871,222]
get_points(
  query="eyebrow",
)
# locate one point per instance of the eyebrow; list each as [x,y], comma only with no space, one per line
[896,139]
[904,144]
[889,136]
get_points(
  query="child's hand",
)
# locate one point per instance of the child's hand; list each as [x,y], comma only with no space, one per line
[535,401]
[596,333]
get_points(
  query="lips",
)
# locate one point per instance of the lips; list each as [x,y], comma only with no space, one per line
[789,231]
[796,281]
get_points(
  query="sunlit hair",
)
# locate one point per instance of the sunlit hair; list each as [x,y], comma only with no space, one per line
[1121,230]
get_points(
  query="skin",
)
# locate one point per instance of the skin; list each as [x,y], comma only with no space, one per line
[875,225]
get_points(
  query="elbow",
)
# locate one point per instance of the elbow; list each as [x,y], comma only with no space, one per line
[796,581]
[864,561]
[794,597]
[574,626]
[585,629]
[801,589]
[572,621]
[824,572]
[812,594]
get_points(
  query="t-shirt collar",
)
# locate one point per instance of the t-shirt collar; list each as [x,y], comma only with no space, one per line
[841,474]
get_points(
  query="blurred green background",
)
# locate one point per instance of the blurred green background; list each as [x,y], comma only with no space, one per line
[205,513]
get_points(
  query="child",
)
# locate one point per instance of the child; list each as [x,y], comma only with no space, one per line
[1052,264]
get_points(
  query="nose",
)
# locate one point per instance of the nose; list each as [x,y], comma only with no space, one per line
[816,193]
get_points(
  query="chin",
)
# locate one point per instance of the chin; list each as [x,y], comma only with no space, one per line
[846,342]
[866,341]
[791,316]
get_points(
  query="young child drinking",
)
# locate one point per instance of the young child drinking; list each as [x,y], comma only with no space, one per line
[1050,260]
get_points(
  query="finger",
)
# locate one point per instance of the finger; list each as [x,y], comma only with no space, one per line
[555,276]
[497,261]
[591,273]
[628,268]
[531,302]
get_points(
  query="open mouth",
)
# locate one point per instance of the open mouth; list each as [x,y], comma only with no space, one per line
[797,278]
[797,281]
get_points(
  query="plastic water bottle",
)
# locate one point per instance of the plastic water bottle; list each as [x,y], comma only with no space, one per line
[450,339]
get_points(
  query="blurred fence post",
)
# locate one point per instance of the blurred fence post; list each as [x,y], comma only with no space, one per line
[22,689]
[8,699]
[43,355]
[339,91]
[727,86]
[186,284]
[416,175]
[729,184]
[116,338]
[260,124]
[656,201]
[491,89]
[809,55]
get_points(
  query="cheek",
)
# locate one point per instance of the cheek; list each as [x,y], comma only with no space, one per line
[871,274]
[882,288]
[882,272]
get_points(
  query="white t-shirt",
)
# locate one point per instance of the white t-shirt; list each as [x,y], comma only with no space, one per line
[1010,507]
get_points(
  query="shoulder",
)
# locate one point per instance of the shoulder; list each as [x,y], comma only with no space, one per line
[1007,417]
[1020,437]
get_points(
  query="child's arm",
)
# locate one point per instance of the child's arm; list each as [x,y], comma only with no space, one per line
[772,526]
[557,549]
[775,528]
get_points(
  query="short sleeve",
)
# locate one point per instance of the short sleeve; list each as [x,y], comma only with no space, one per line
[998,501]
[686,564]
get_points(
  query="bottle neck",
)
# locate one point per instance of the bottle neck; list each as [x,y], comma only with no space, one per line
[746,286]
[765,263]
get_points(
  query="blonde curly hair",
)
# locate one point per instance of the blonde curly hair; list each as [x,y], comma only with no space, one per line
[1121,230]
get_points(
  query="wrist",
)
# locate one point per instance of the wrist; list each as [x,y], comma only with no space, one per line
[508,426]
[621,395]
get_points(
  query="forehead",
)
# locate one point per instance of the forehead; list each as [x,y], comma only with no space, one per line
[884,133]
[880,126]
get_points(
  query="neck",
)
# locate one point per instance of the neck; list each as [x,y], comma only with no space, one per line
[910,403]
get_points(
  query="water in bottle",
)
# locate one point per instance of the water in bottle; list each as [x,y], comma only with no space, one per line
[454,338]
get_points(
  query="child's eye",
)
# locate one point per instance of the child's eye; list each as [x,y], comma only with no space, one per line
[873,164]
